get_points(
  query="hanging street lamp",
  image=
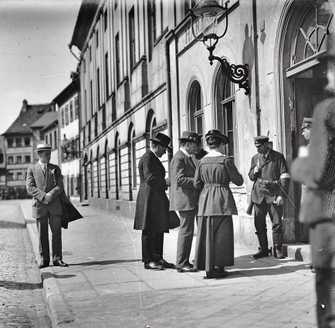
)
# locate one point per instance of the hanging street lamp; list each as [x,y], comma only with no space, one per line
[211,9]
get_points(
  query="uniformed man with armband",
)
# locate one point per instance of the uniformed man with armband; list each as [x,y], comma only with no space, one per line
[271,180]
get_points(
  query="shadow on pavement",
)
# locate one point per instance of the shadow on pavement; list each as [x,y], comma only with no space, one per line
[14,285]
[12,225]
[105,262]
[48,275]
[247,266]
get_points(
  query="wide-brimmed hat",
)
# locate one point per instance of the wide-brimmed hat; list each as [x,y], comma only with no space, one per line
[261,140]
[189,136]
[43,147]
[306,123]
[217,134]
[161,139]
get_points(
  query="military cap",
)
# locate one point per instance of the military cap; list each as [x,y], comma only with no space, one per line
[189,136]
[306,123]
[217,134]
[43,147]
[261,140]
[161,139]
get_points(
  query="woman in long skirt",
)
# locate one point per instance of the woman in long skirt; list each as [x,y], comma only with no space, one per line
[215,238]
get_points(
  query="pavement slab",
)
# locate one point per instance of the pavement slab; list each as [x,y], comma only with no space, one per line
[107,286]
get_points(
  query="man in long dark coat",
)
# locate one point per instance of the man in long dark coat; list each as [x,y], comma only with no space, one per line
[184,197]
[152,204]
[271,180]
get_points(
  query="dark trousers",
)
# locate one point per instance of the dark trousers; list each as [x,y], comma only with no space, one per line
[276,213]
[325,292]
[55,222]
[185,237]
[152,246]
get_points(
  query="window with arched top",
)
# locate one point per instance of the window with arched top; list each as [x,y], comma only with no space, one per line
[224,108]
[311,32]
[195,108]
[106,169]
[118,176]
[150,126]
[132,157]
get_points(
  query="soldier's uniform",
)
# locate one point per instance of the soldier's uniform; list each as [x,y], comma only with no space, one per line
[270,181]
[317,173]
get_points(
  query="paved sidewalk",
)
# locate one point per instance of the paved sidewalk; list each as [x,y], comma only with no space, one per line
[107,286]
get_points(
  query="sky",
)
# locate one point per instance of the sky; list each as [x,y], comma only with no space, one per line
[35,61]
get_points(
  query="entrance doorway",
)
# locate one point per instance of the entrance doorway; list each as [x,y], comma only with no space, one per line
[304,79]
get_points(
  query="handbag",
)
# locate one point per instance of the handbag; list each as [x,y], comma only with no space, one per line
[174,221]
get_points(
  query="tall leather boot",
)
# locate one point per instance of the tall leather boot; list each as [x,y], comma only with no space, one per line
[263,243]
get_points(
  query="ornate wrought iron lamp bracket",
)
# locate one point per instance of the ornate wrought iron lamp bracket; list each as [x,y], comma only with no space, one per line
[236,73]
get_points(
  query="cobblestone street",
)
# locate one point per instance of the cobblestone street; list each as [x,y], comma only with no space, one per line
[21,293]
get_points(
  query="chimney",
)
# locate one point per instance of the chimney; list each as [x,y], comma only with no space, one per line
[24,105]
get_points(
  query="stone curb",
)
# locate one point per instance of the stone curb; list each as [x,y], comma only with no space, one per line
[59,313]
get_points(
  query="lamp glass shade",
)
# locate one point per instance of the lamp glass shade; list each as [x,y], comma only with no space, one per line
[208,8]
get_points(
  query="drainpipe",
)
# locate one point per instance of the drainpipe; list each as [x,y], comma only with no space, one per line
[255,39]
[168,88]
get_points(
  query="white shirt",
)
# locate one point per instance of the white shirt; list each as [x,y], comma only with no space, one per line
[43,165]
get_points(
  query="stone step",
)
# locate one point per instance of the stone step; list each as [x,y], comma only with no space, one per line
[299,252]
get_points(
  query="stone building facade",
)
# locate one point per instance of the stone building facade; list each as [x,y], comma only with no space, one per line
[142,70]
[67,102]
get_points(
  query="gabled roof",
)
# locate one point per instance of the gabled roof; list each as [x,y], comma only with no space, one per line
[85,18]
[45,121]
[28,115]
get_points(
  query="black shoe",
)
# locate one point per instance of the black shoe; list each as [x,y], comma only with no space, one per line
[166,265]
[187,268]
[260,254]
[43,264]
[60,263]
[153,266]
[215,274]
[278,253]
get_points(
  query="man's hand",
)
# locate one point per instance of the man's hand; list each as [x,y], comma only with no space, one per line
[47,198]
[256,169]
[279,201]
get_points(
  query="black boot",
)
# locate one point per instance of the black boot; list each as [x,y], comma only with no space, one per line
[278,251]
[263,243]
[277,245]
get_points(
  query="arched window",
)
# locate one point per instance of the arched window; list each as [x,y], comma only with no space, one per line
[195,110]
[91,175]
[132,153]
[224,105]
[150,126]
[106,169]
[97,174]
[118,176]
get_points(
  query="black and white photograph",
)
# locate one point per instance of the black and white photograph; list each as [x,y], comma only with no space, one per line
[167,163]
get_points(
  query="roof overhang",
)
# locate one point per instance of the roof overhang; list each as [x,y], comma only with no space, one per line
[84,20]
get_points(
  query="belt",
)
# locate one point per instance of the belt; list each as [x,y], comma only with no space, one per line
[216,185]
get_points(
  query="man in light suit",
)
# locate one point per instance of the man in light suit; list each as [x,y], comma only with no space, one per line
[44,183]
[184,197]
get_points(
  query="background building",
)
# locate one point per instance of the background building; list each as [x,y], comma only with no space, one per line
[20,143]
[142,70]
[2,167]
[46,130]
[68,115]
